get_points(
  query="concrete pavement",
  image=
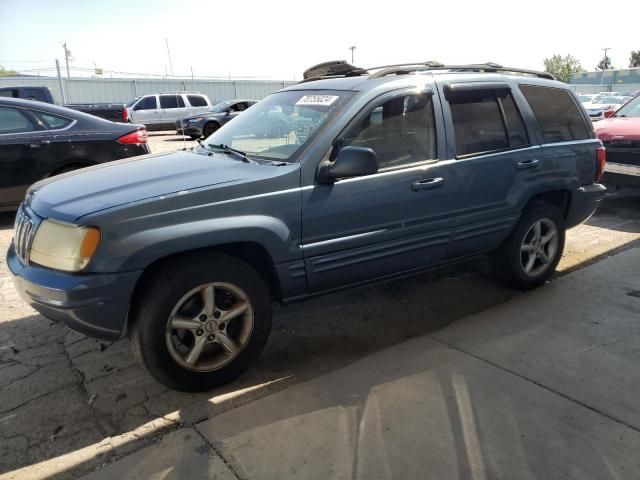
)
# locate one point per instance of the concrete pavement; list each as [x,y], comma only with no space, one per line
[542,386]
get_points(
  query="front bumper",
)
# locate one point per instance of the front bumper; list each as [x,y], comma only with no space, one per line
[185,128]
[93,304]
[584,202]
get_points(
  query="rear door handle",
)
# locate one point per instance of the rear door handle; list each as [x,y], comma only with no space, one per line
[427,184]
[527,164]
[39,144]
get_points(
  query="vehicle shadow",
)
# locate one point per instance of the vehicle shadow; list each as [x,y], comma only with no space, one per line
[64,392]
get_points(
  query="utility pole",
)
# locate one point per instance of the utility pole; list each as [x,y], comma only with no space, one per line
[66,58]
[64,98]
[352,49]
[169,55]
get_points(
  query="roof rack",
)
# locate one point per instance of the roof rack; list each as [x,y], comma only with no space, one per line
[488,67]
[340,68]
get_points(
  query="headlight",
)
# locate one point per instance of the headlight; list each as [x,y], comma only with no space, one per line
[63,246]
[195,119]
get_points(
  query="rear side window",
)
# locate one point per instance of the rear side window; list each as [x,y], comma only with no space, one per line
[147,103]
[197,101]
[53,122]
[401,131]
[14,121]
[557,114]
[485,121]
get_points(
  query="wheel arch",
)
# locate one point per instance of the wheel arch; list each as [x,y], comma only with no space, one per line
[560,198]
[252,253]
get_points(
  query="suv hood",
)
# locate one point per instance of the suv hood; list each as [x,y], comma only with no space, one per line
[75,194]
[628,127]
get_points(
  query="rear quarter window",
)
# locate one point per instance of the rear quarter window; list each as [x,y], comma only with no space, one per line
[51,121]
[197,100]
[557,114]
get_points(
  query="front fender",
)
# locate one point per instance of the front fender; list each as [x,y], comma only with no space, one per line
[139,249]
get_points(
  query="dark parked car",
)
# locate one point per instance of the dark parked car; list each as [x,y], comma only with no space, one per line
[115,112]
[38,140]
[384,174]
[204,124]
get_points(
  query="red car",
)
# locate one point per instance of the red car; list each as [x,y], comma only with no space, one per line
[620,134]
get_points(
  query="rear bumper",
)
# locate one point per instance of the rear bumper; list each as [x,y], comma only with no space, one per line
[584,203]
[93,304]
[622,169]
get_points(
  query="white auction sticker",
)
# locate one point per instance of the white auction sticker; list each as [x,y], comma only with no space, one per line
[322,100]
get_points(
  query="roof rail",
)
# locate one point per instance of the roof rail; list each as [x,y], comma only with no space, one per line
[488,67]
[340,68]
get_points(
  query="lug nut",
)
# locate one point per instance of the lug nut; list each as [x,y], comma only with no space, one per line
[211,338]
[199,332]
[216,315]
[203,318]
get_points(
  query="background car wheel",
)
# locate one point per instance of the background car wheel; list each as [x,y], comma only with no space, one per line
[209,128]
[201,321]
[530,254]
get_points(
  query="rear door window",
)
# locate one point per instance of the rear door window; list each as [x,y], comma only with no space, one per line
[557,114]
[13,120]
[197,100]
[485,121]
[169,101]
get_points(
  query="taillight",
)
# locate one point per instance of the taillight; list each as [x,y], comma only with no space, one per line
[601,160]
[125,115]
[134,138]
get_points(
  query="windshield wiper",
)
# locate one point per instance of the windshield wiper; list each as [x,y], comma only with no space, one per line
[240,155]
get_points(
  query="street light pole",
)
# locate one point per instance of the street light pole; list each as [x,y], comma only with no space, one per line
[352,49]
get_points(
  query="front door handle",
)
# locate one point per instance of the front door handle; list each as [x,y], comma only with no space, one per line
[527,164]
[427,184]
[39,144]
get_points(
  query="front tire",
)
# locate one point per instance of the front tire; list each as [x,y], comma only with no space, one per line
[201,321]
[531,252]
[209,129]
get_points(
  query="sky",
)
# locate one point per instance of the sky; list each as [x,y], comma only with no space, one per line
[280,39]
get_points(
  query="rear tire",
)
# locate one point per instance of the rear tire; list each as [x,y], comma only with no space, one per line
[187,331]
[531,252]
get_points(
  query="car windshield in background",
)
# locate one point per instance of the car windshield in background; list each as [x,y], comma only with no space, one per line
[130,104]
[631,109]
[220,107]
[278,126]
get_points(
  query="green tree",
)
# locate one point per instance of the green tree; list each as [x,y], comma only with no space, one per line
[562,67]
[634,59]
[605,63]
[7,73]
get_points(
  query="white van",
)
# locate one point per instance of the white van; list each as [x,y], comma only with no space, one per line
[160,111]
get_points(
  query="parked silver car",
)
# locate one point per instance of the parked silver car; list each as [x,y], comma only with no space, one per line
[160,111]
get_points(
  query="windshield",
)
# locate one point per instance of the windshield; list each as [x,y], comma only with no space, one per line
[631,109]
[280,125]
[133,101]
[220,107]
[608,100]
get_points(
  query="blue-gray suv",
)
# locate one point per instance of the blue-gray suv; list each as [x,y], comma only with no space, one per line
[382,173]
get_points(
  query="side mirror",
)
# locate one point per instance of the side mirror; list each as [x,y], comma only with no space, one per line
[609,113]
[350,162]
[137,107]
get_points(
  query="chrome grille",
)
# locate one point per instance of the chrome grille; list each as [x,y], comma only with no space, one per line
[25,229]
